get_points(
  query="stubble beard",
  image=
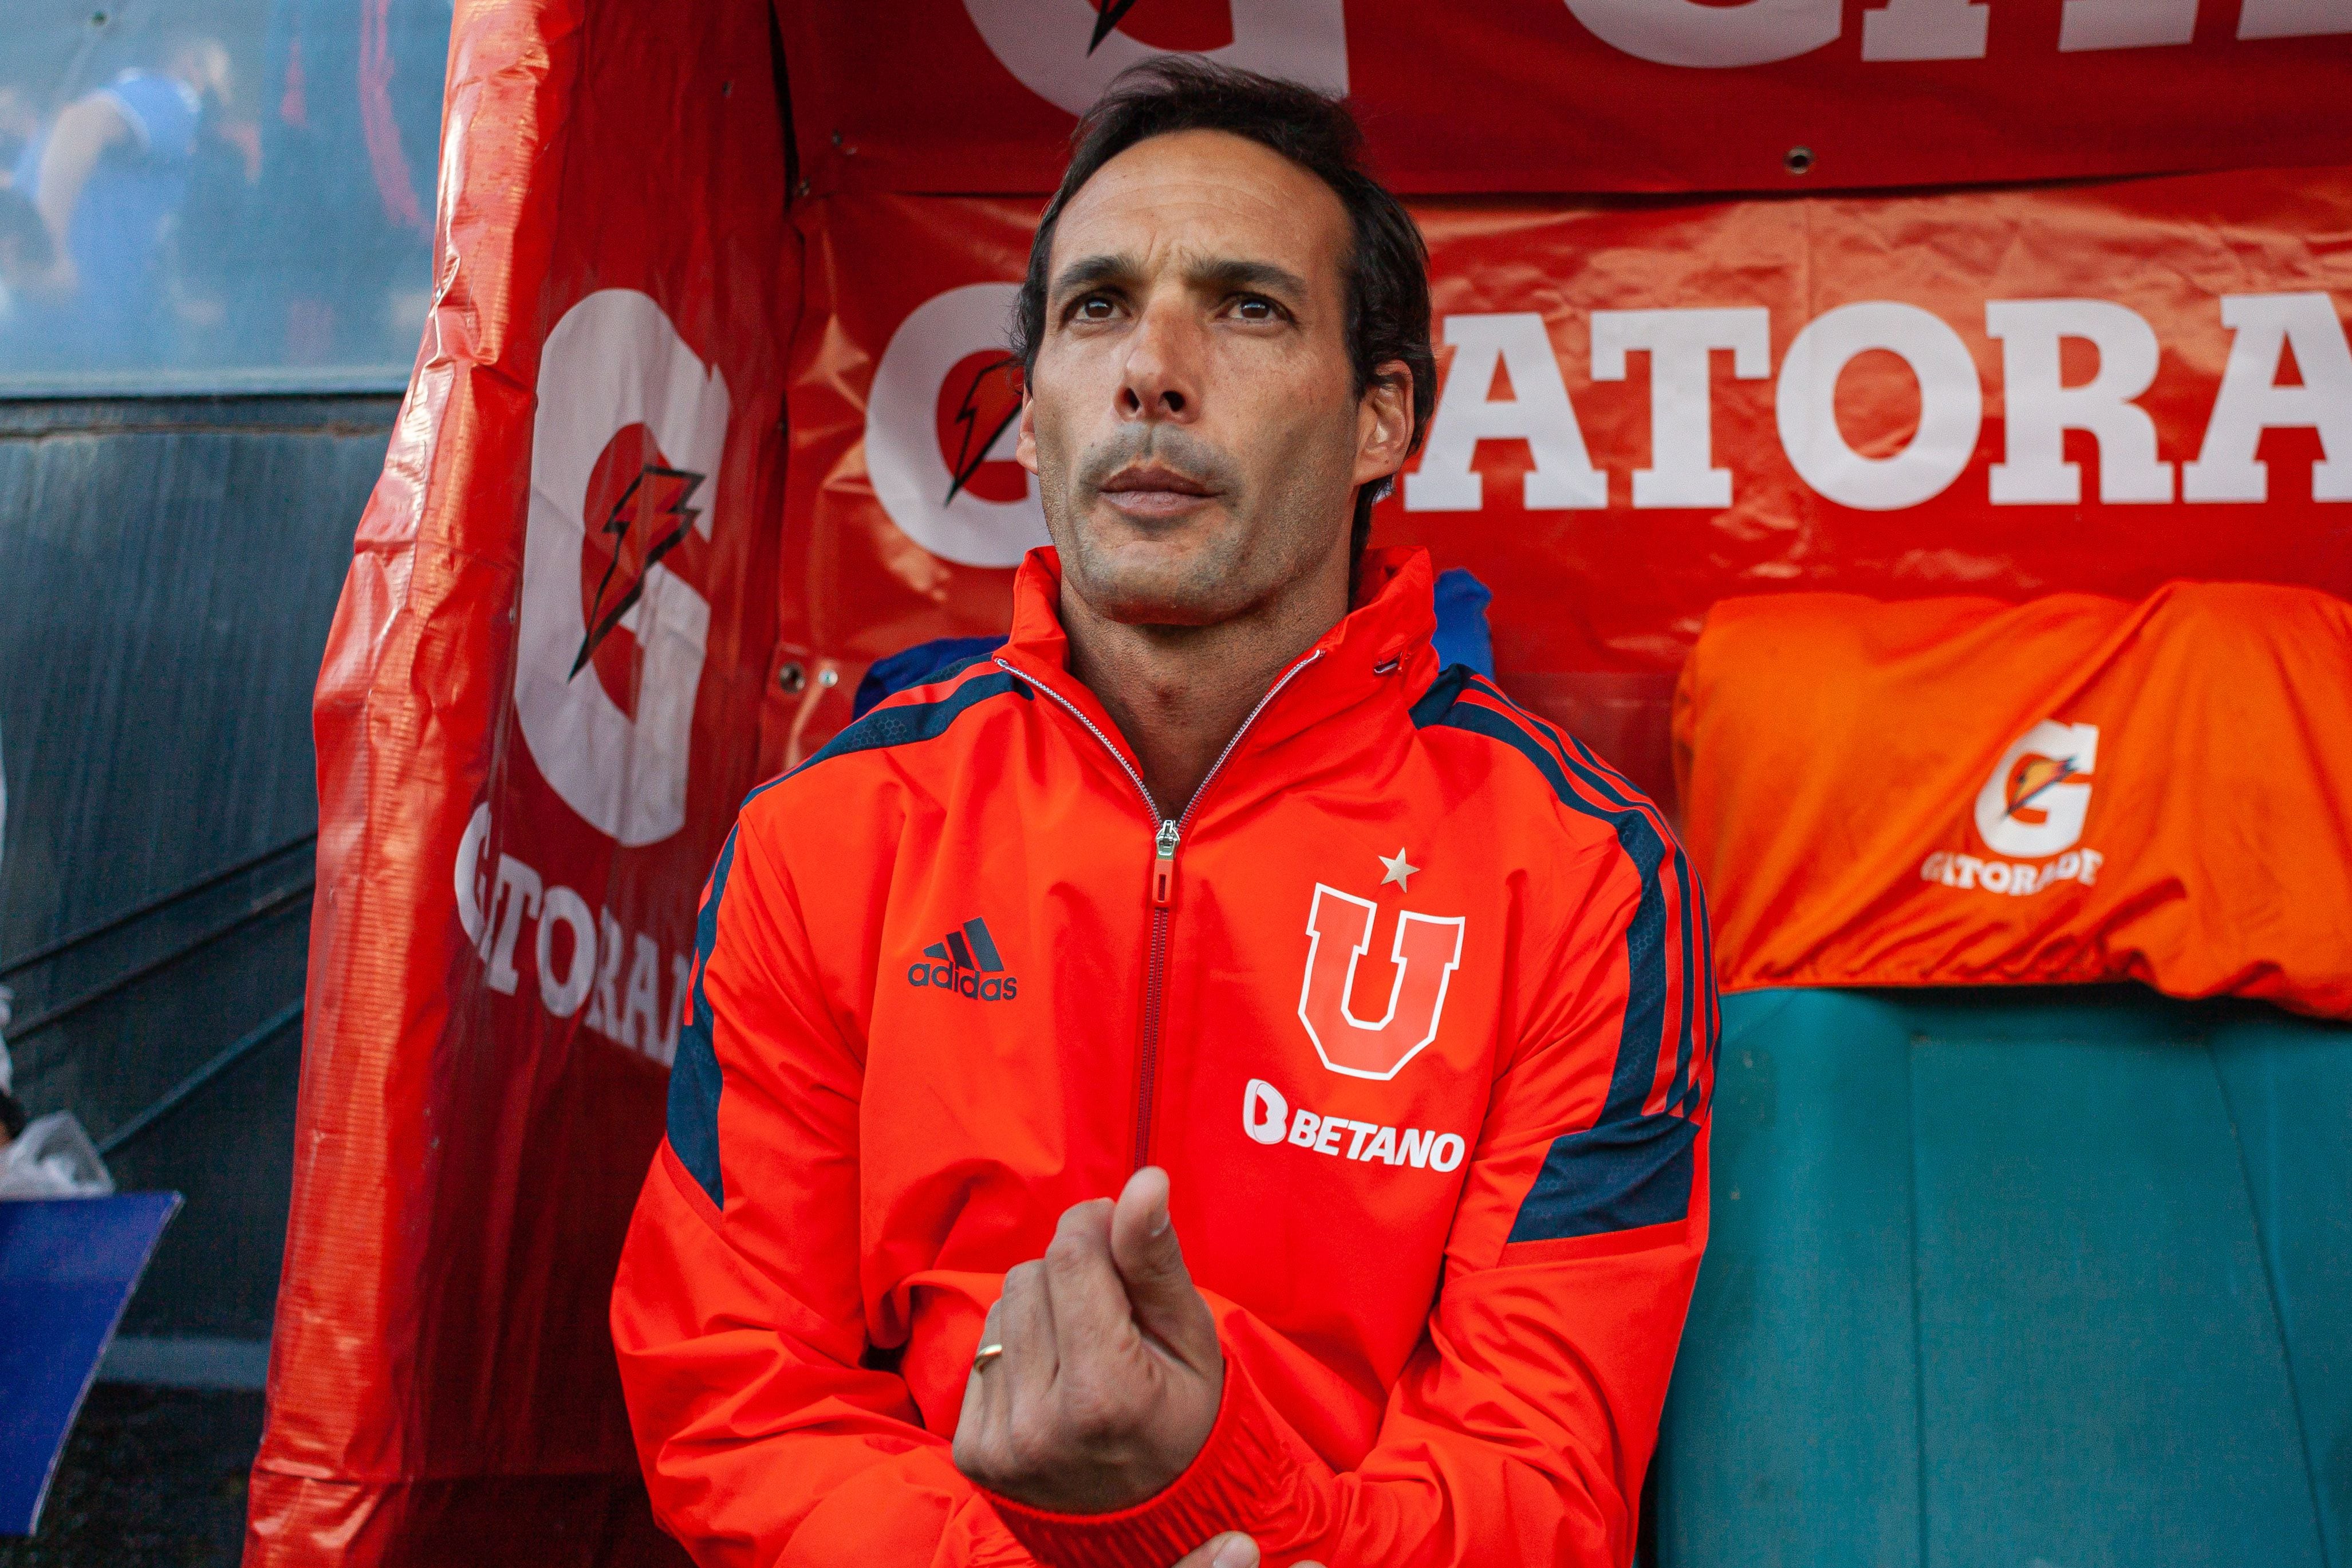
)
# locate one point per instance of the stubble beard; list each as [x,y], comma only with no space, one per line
[1225,564]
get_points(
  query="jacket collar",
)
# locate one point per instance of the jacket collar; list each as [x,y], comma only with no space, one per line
[1380,648]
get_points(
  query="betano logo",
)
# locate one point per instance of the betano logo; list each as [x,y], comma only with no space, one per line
[965,961]
[2033,805]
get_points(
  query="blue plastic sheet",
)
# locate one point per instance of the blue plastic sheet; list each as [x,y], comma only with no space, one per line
[68,1267]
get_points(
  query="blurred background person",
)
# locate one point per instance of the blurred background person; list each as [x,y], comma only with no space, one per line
[108,178]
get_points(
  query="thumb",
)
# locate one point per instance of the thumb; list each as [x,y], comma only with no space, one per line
[1231,1549]
[1150,1263]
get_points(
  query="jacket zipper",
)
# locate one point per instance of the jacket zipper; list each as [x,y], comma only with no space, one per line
[1164,841]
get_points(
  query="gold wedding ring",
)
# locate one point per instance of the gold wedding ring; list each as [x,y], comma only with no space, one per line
[984,1354]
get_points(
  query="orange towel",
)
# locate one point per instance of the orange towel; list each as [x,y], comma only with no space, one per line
[1957,792]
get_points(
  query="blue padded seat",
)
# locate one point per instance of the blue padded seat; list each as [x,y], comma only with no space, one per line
[2025,1278]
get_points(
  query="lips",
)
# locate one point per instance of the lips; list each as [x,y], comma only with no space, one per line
[1154,490]
[1154,478]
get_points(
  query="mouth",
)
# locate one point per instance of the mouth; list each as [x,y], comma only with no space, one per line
[1154,490]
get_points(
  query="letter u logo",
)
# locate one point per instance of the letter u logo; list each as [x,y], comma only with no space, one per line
[1339,931]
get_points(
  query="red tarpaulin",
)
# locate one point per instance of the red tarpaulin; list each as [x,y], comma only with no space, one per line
[1646,406]
[591,604]
[1604,95]
[539,704]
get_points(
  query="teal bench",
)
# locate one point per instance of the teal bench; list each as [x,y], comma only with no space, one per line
[2027,1278]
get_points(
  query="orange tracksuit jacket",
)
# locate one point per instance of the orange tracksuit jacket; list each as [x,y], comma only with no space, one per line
[1413,1003]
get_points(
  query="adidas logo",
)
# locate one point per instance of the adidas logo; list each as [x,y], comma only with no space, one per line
[965,961]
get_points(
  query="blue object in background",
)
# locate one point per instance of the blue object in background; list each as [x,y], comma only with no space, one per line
[1462,638]
[2055,1275]
[1462,635]
[68,1267]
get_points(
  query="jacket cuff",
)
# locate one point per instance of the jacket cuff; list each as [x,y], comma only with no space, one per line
[1234,1481]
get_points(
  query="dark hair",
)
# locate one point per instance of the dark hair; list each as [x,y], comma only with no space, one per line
[1386,272]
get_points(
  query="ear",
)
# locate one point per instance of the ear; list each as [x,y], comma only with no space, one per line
[1384,421]
[1025,440]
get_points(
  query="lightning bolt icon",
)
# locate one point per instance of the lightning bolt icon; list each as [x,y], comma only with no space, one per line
[969,454]
[617,526]
[1107,13]
[2063,770]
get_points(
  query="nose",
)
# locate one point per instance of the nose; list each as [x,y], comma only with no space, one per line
[1161,380]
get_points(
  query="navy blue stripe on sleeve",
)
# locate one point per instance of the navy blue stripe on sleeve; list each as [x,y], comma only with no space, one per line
[1629,1169]
[1620,1176]
[694,1081]
[1642,1034]
[903,723]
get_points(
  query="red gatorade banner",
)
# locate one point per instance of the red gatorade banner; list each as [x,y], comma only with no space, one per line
[1960,792]
[1644,407]
[586,612]
[539,705]
[1602,95]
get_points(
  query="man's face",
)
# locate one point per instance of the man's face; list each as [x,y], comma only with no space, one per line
[1192,419]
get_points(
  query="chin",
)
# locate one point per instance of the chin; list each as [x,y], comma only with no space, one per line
[1163,598]
[1183,581]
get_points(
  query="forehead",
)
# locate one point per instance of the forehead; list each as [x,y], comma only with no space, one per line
[1205,193]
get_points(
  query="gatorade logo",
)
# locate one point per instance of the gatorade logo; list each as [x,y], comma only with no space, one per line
[940,423]
[2032,807]
[615,374]
[2039,791]
[1067,51]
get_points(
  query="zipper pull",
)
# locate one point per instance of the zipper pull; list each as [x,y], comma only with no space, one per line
[1163,865]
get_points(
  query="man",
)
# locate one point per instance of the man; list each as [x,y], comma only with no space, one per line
[1402,1237]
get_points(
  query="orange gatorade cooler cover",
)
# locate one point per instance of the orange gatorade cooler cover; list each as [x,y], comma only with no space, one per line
[1957,792]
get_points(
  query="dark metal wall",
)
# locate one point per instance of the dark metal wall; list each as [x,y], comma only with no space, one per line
[168,569]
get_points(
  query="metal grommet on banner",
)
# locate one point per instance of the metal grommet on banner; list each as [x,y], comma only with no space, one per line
[812,696]
[792,679]
[1799,161]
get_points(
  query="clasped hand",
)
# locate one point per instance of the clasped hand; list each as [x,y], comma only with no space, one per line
[1110,1374]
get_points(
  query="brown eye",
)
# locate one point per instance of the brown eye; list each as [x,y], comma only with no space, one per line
[1254,311]
[1094,309]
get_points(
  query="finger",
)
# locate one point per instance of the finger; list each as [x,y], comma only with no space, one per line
[980,1420]
[1031,1360]
[1230,1550]
[1092,1317]
[1151,1264]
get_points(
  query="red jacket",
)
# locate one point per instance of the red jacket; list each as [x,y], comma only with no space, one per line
[956,973]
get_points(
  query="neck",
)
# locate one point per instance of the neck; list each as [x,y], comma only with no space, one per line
[1179,694]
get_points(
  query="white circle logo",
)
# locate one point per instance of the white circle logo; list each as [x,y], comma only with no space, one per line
[1067,51]
[932,504]
[2039,791]
[615,361]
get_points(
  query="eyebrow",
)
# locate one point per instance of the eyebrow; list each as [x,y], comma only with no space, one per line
[1224,274]
[1091,272]
[1234,275]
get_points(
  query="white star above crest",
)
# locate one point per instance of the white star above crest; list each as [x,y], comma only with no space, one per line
[1399,867]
